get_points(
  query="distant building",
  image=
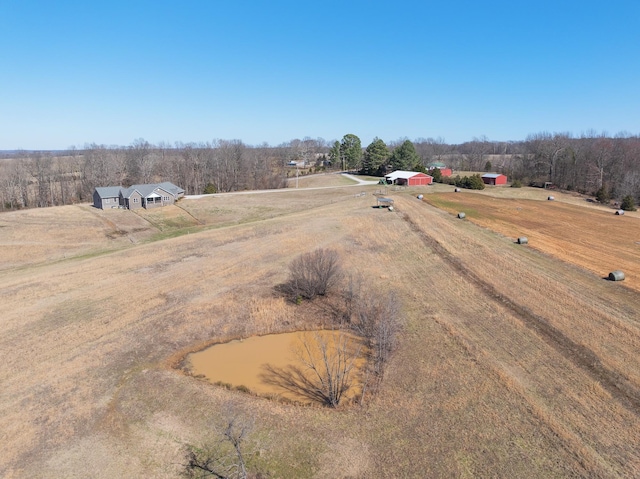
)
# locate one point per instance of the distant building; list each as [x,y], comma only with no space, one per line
[408,178]
[137,196]
[444,170]
[494,179]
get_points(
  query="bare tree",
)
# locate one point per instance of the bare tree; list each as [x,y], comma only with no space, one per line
[141,162]
[11,184]
[230,165]
[543,152]
[224,459]
[326,369]
[313,274]
[378,322]
[431,149]
[40,170]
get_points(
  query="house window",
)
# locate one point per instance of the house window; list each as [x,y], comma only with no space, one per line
[165,198]
[135,200]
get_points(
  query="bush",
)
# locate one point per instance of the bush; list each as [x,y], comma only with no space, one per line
[474,182]
[210,189]
[628,203]
[602,195]
[516,184]
[313,274]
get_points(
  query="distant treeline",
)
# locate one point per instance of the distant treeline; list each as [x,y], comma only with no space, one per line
[587,164]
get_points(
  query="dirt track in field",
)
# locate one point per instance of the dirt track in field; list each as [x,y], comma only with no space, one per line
[616,384]
[512,363]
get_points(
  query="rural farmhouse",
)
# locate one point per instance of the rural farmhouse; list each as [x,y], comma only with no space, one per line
[408,178]
[137,196]
[494,179]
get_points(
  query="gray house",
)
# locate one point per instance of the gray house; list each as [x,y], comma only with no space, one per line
[137,196]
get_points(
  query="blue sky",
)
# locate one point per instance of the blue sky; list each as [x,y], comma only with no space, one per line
[78,72]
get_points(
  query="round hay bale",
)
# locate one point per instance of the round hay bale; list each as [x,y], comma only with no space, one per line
[620,212]
[457,190]
[461,215]
[420,197]
[550,198]
[390,208]
[616,275]
[523,240]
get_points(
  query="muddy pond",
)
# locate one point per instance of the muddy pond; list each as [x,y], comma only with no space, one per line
[287,365]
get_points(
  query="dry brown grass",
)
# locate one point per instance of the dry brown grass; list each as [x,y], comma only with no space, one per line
[44,235]
[512,363]
[320,180]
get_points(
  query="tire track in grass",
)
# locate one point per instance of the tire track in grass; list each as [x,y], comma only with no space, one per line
[616,384]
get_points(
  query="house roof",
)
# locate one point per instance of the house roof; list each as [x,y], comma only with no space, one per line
[145,190]
[491,175]
[437,164]
[171,188]
[402,174]
[108,191]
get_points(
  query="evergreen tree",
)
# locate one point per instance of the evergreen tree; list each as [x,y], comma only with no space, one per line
[437,175]
[351,152]
[375,156]
[404,157]
[602,195]
[334,155]
[419,167]
[473,182]
[628,203]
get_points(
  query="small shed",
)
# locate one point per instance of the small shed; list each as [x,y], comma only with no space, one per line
[408,178]
[494,179]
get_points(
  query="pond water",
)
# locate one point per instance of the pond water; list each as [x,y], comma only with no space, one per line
[265,365]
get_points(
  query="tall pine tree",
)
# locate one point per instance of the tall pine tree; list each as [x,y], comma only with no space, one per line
[404,157]
[375,157]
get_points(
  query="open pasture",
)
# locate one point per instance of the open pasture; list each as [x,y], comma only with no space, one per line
[511,363]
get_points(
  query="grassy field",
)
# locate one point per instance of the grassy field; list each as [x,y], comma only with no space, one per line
[514,361]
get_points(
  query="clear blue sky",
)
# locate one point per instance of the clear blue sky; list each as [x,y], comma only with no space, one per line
[109,72]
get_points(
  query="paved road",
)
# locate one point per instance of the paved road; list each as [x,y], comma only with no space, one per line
[358,181]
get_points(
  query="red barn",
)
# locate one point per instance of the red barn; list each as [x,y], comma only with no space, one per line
[408,178]
[494,179]
[444,170]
